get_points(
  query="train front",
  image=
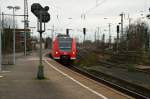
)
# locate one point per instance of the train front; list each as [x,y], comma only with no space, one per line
[65,48]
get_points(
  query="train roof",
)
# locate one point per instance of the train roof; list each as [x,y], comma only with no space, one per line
[63,35]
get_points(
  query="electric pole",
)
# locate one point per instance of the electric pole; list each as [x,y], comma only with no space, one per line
[26,25]
[95,36]
[0,43]
[109,25]
[52,34]
[53,29]
[117,45]
[103,43]
[98,35]
[122,14]
[128,34]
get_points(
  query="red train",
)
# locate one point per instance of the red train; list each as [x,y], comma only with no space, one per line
[64,48]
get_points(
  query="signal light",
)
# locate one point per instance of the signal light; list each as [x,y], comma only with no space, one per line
[117,28]
[84,31]
[40,12]
[67,31]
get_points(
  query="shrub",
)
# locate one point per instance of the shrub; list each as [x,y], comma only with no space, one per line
[131,67]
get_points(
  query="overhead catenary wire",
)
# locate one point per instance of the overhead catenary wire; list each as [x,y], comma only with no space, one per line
[60,20]
[97,5]
[82,16]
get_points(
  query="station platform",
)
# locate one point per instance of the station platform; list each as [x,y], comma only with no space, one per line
[20,83]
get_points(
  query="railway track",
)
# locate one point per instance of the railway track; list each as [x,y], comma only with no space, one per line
[144,71]
[123,86]
[109,64]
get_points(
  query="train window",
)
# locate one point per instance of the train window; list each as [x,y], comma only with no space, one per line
[65,44]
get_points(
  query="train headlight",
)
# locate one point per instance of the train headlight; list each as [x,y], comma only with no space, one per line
[73,52]
[56,52]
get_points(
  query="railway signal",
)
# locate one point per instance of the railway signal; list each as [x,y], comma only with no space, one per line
[84,32]
[43,17]
[35,8]
[117,28]
[118,37]
[40,12]
[45,14]
[67,31]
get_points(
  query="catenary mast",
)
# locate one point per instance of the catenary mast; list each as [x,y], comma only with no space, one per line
[26,25]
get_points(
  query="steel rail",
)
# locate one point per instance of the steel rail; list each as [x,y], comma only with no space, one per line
[111,84]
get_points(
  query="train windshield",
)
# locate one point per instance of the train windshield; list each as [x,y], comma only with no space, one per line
[65,44]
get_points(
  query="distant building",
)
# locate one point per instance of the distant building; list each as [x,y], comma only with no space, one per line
[48,43]
[7,40]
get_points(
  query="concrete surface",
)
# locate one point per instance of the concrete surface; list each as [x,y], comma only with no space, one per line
[21,82]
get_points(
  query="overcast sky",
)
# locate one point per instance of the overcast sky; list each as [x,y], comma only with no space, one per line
[67,14]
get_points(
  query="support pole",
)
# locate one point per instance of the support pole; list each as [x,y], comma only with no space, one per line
[84,39]
[95,37]
[98,35]
[0,44]
[109,25]
[117,42]
[121,25]
[25,40]
[26,26]
[0,50]
[40,74]
[53,31]
[103,44]
[14,38]
[40,48]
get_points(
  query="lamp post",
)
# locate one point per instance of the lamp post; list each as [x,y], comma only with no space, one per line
[14,34]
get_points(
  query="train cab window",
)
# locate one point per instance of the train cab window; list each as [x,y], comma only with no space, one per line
[65,44]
